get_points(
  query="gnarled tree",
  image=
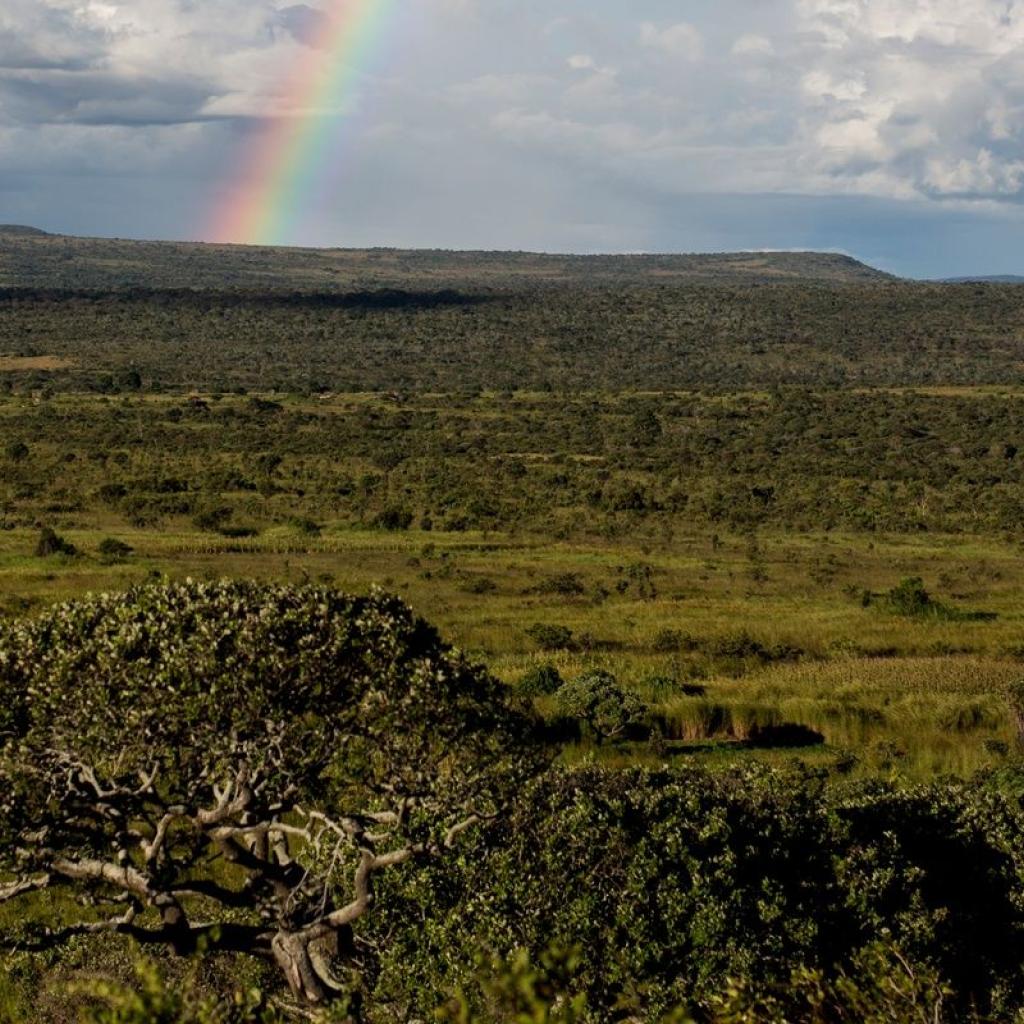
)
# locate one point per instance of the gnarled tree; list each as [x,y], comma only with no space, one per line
[228,766]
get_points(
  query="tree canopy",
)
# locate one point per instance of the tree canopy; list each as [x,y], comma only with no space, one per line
[307,738]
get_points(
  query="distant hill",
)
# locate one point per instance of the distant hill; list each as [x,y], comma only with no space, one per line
[34,259]
[23,230]
[990,279]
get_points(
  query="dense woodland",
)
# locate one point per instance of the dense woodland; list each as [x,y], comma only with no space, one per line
[729,551]
[595,464]
[553,337]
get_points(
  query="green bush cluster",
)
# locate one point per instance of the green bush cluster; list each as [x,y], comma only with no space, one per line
[671,883]
[598,701]
[738,461]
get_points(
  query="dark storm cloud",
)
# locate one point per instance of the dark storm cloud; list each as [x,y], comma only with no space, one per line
[96,98]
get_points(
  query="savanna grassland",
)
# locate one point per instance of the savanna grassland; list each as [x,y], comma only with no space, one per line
[726,551]
[739,538]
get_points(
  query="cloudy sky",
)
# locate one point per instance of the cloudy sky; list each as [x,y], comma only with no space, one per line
[890,129]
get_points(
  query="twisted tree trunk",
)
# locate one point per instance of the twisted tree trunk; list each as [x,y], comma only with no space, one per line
[303,960]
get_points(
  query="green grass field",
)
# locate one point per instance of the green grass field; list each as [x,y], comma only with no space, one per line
[889,693]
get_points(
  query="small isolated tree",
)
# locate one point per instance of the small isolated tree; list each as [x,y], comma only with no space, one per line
[597,699]
[394,519]
[227,767]
[51,543]
[113,550]
[550,637]
[540,681]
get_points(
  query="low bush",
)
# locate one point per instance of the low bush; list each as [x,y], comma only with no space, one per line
[910,598]
[597,700]
[742,646]
[541,681]
[566,584]
[393,519]
[113,550]
[677,885]
[51,543]
[549,637]
[672,641]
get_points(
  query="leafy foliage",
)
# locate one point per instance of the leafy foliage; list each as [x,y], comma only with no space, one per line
[540,681]
[597,699]
[310,738]
[523,993]
[669,883]
[151,999]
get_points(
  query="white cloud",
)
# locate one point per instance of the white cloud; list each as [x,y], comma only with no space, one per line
[981,175]
[678,40]
[923,96]
[149,60]
[753,46]
[582,62]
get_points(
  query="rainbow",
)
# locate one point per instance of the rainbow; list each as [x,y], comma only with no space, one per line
[280,171]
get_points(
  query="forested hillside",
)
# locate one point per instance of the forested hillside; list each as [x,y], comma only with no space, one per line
[575,338]
[30,258]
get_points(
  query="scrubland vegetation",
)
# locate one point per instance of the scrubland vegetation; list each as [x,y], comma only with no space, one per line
[730,560]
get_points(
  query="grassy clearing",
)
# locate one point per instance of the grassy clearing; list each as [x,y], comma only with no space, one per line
[886,692]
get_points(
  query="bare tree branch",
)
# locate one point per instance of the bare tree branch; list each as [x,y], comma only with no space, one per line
[15,889]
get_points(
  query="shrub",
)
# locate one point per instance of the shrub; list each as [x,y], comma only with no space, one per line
[480,585]
[541,681]
[597,699]
[672,641]
[304,525]
[111,493]
[238,532]
[154,999]
[641,576]
[213,519]
[879,987]
[113,550]
[566,584]
[671,882]
[910,598]
[393,519]
[17,451]
[742,646]
[519,990]
[311,739]
[51,543]
[551,637]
